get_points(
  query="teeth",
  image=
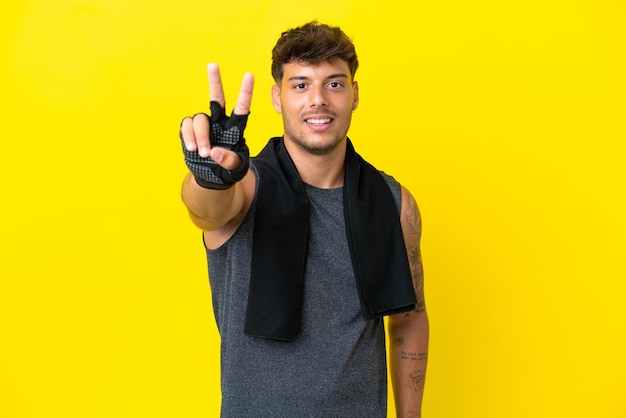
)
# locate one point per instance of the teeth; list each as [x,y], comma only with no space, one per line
[318,121]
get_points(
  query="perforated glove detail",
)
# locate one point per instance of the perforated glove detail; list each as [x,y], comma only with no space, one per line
[225,132]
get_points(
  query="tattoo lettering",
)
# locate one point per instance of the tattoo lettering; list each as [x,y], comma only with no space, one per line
[422,356]
[408,355]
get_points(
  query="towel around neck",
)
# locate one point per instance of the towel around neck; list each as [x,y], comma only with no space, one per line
[279,248]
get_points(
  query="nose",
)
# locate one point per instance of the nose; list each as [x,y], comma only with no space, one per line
[317,97]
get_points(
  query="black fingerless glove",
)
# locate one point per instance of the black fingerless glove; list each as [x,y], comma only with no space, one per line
[225,132]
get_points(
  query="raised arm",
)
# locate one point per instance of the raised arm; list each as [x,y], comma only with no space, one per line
[408,332]
[219,186]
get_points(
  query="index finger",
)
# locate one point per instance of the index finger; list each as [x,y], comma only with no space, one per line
[216,90]
[245,95]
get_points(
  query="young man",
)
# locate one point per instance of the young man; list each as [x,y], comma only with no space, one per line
[309,247]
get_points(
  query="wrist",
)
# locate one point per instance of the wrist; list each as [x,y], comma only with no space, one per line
[210,185]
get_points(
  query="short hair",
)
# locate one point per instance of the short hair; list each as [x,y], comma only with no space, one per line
[312,43]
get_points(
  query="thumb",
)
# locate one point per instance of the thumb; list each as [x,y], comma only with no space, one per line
[225,158]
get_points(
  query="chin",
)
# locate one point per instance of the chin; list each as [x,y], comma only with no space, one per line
[319,147]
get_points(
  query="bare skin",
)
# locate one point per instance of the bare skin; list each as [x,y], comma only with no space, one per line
[316,103]
[408,332]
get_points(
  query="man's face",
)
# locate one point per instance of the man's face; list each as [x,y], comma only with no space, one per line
[316,102]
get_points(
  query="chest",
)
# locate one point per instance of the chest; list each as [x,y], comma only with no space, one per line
[330,294]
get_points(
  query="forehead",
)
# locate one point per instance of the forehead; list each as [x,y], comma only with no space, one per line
[319,70]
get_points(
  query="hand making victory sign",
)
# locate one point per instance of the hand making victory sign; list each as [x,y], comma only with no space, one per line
[214,146]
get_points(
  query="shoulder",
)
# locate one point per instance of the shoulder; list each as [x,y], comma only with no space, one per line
[394,187]
[403,197]
[392,182]
[410,217]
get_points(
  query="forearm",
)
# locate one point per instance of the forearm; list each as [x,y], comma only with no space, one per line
[211,209]
[408,341]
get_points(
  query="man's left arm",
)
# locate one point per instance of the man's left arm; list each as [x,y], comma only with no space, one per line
[408,332]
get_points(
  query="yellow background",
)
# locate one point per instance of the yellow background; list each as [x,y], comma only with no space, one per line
[506,119]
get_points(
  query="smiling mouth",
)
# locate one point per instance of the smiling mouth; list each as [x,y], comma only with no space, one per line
[318,121]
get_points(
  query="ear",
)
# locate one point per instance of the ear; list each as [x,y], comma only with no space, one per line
[355,92]
[278,107]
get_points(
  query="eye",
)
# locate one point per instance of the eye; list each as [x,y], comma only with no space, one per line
[299,86]
[335,84]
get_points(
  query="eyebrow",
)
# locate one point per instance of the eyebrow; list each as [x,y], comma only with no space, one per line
[302,77]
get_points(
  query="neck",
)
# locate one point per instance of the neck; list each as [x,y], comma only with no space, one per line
[325,171]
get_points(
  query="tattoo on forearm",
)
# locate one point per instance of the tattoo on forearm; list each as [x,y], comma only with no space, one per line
[413,252]
[398,341]
[416,381]
[413,356]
